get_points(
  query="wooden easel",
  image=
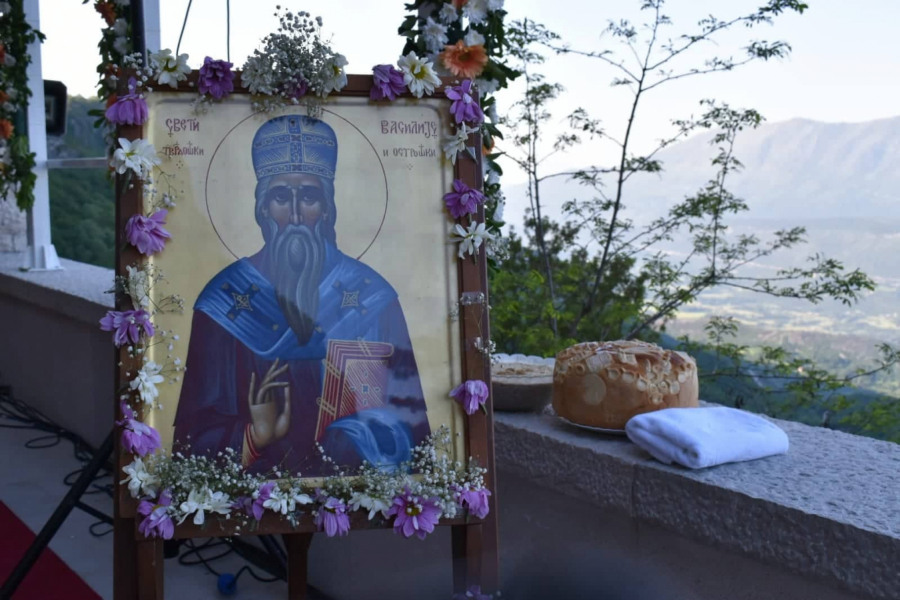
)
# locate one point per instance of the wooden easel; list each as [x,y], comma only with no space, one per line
[138,562]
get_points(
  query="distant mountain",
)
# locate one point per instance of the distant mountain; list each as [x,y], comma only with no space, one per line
[82,139]
[797,170]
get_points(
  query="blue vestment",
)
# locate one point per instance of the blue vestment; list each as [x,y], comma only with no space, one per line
[238,329]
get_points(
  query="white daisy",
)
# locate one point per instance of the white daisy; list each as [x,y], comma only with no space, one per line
[120,44]
[473,38]
[218,502]
[172,69]
[146,381]
[299,498]
[434,34]
[278,501]
[448,14]
[456,144]
[418,74]
[476,11]
[470,239]
[373,505]
[498,211]
[487,86]
[138,156]
[333,75]
[139,480]
[195,504]
[120,27]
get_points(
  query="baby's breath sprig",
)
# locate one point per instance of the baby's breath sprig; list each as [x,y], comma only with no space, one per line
[430,472]
[295,65]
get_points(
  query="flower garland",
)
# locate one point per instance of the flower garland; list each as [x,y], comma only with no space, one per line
[115,44]
[175,486]
[466,38]
[16,159]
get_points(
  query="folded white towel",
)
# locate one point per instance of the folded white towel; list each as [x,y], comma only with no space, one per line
[705,437]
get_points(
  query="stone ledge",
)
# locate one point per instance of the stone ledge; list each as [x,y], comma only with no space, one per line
[828,509]
[77,291]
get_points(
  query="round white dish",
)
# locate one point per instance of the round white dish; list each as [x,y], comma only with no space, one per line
[603,430]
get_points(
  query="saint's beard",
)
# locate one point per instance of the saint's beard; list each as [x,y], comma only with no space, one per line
[296,256]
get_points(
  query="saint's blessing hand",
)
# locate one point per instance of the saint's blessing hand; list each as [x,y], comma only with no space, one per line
[268,424]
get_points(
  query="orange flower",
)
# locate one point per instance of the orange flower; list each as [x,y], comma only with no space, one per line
[464,61]
[2,52]
[6,129]
[108,11]
[458,4]
[485,149]
[3,96]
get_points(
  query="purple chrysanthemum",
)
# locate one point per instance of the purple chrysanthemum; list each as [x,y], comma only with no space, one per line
[130,109]
[464,108]
[243,503]
[261,496]
[147,234]
[475,501]
[463,200]
[137,438]
[156,522]
[414,514]
[388,83]
[332,518]
[128,325]
[471,394]
[215,78]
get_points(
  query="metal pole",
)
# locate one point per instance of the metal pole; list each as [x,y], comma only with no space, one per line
[57,518]
[41,255]
[138,35]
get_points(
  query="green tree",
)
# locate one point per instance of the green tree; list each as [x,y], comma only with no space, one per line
[83,215]
[598,274]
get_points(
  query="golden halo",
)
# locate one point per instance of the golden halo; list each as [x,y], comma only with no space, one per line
[360,175]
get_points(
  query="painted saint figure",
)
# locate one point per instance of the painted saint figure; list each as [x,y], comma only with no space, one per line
[300,344]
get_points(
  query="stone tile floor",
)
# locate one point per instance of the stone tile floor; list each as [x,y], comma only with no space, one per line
[32,486]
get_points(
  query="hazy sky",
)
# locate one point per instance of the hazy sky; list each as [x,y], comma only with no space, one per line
[844,66]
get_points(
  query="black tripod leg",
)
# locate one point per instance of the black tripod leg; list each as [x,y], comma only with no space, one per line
[57,518]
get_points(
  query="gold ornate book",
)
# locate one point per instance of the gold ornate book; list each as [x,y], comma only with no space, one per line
[355,379]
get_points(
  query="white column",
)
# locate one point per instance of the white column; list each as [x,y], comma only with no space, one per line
[152,35]
[41,255]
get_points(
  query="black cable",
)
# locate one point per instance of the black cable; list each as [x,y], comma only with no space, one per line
[195,550]
[93,532]
[255,576]
[183,25]
[27,417]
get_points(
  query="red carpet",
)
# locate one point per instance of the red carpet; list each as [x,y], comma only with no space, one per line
[50,578]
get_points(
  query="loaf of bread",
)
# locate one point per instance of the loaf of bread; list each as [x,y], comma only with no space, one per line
[603,384]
